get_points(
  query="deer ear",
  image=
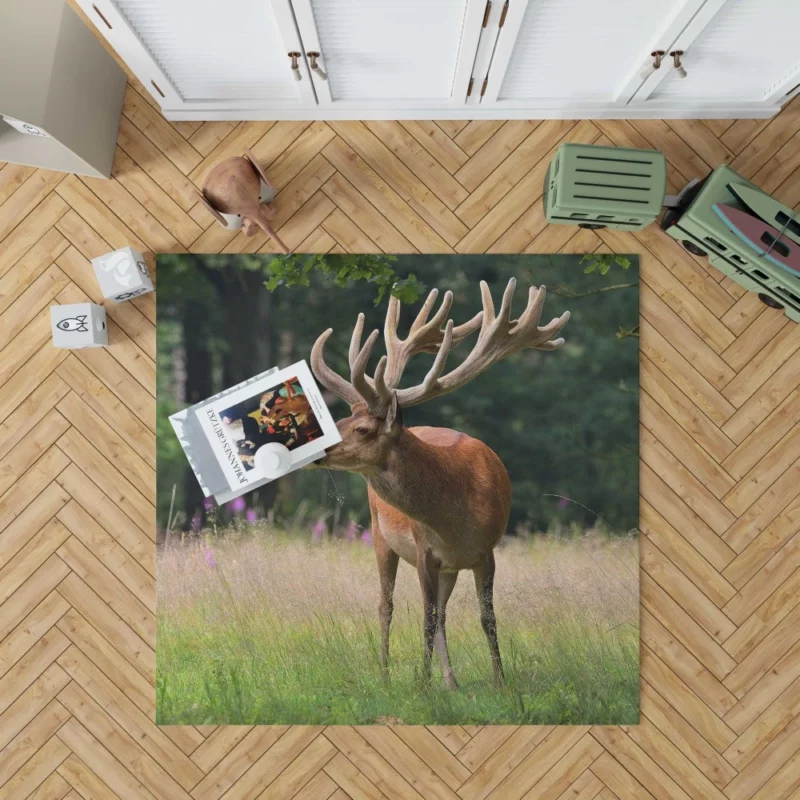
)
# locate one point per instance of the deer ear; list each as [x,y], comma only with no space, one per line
[394,418]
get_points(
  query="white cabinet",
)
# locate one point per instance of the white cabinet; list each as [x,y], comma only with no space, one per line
[568,51]
[390,59]
[747,51]
[383,53]
[578,58]
[204,55]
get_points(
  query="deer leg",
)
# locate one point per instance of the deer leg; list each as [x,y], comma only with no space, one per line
[387,571]
[434,588]
[447,582]
[484,585]
[428,574]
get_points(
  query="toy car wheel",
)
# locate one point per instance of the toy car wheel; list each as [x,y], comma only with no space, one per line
[769,301]
[693,248]
[592,226]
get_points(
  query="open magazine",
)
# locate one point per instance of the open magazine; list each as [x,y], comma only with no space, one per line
[222,435]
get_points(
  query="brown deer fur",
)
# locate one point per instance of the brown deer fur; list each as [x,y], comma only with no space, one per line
[439,499]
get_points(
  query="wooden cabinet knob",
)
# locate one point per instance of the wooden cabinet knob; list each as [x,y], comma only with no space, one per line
[651,68]
[294,55]
[315,68]
[676,60]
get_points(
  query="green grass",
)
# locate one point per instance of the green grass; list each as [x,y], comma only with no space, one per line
[282,631]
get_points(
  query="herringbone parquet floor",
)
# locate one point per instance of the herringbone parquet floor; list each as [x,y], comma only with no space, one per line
[720,474]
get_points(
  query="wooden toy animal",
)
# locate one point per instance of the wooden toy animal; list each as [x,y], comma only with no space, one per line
[233,188]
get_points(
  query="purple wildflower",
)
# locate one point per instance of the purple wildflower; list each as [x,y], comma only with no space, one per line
[366,536]
[351,532]
[209,556]
[319,530]
[237,505]
[251,515]
[208,504]
[197,522]
[563,502]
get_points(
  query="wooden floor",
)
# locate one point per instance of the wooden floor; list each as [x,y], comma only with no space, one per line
[720,474]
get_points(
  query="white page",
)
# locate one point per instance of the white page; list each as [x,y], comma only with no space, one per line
[289,397]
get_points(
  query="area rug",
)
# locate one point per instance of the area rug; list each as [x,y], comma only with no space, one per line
[488,468]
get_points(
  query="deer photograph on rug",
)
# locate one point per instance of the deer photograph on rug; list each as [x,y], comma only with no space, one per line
[462,545]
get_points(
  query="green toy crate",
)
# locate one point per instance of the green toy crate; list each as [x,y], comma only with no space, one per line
[605,187]
[696,225]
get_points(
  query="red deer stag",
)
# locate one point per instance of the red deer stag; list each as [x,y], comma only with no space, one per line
[439,499]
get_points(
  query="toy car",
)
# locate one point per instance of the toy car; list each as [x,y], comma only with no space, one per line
[702,230]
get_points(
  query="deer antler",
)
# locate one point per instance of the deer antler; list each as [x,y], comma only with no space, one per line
[423,336]
[499,336]
[358,389]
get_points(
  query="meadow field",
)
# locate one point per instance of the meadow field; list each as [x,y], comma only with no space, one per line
[257,626]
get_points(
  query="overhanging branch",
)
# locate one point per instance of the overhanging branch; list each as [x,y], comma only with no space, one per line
[563,291]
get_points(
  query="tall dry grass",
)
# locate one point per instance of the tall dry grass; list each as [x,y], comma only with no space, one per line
[257,626]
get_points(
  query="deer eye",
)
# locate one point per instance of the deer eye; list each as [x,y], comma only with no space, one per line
[362,431]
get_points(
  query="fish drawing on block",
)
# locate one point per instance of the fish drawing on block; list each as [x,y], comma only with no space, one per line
[77,324]
[761,237]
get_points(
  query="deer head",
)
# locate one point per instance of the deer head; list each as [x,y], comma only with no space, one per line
[376,422]
[367,440]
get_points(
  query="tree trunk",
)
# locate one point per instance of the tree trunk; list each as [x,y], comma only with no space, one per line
[198,386]
[250,336]
[249,330]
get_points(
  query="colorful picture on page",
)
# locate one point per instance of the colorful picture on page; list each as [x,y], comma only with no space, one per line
[285,408]
[282,414]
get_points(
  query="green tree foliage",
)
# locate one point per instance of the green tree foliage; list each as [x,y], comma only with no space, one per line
[603,262]
[565,424]
[298,270]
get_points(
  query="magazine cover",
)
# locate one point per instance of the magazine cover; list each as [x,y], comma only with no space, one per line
[286,408]
[197,448]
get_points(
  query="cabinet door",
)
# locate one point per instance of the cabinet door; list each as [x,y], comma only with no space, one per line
[203,54]
[737,51]
[390,53]
[557,53]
